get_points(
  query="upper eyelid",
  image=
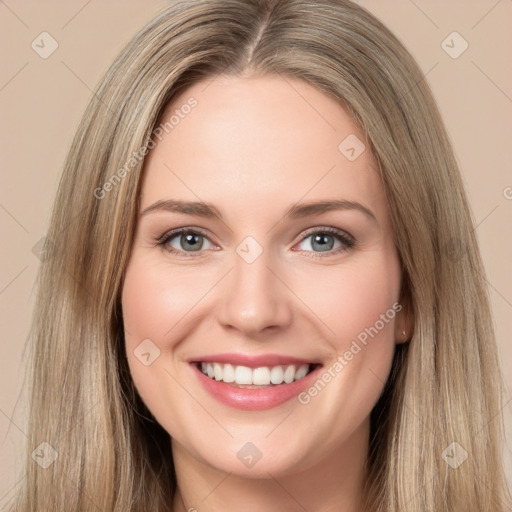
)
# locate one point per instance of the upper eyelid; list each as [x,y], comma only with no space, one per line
[174,232]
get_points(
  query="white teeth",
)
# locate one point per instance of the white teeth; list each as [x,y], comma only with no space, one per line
[243,375]
[289,374]
[228,373]
[301,372]
[277,375]
[262,376]
[217,371]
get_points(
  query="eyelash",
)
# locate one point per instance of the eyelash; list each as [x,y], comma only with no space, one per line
[347,241]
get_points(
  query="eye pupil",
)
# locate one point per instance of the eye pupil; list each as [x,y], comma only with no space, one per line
[325,242]
[192,240]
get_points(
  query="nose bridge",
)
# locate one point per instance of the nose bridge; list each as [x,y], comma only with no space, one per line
[254,298]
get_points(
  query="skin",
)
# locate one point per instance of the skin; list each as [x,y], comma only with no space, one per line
[255,146]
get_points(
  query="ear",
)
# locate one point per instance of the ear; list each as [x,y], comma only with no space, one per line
[404,322]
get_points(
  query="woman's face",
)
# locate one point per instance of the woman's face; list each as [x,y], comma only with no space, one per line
[286,259]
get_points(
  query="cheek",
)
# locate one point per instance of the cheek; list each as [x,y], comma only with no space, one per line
[155,307]
[154,301]
[358,305]
[354,299]
[151,311]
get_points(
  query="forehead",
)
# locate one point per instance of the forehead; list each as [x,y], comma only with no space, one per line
[259,141]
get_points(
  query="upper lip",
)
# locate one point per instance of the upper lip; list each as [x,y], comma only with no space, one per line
[251,361]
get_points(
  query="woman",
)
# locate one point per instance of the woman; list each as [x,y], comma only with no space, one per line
[236,155]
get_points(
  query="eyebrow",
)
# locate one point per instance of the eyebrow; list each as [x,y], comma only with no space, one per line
[299,210]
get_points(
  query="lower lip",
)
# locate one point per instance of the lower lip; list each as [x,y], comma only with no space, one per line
[254,399]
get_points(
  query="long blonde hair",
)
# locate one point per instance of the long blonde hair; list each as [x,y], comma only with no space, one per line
[445,386]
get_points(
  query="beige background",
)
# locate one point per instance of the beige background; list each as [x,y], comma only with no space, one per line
[41,101]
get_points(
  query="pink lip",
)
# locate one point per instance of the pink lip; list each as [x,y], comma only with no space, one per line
[251,361]
[254,399]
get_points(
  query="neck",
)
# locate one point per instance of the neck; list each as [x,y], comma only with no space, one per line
[332,483]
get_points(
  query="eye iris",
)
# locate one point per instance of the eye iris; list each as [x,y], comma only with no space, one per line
[323,242]
[192,240]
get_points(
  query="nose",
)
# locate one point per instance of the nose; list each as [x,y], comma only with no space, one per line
[255,297]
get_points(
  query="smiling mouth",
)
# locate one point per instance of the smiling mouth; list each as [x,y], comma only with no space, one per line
[255,378]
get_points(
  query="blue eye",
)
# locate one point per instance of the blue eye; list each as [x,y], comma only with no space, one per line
[191,242]
[185,240]
[326,240]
